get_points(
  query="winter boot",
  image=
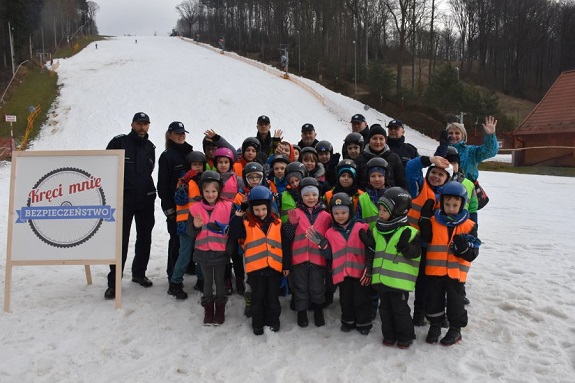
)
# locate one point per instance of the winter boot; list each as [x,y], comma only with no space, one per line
[453,336]
[248,300]
[419,318]
[240,286]
[177,290]
[433,333]
[220,315]
[302,320]
[404,343]
[228,284]
[318,317]
[208,304]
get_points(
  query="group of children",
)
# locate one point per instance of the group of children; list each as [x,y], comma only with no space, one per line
[283,220]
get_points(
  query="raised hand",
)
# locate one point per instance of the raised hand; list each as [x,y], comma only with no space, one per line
[490,125]
[198,221]
[293,217]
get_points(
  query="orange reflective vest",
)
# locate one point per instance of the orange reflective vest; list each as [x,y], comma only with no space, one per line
[348,255]
[183,211]
[414,213]
[207,240]
[262,250]
[303,249]
[440,260]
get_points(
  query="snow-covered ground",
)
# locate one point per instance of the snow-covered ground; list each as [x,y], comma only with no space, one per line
[521,325]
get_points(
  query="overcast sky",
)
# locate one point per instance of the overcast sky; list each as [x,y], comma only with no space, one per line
[136,17]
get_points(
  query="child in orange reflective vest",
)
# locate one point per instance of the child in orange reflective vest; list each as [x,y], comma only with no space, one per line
[208,225]
[308,266]
[260,231]
[452,246]
[350,268]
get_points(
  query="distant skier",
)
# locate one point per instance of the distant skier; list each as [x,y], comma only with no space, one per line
[222,43]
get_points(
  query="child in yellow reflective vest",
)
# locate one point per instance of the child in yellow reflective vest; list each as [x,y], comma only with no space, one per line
[397,251]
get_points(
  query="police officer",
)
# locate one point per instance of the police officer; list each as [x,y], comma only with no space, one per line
[172,166]
[139,198]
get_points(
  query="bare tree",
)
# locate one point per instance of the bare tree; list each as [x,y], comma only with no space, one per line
[189,11]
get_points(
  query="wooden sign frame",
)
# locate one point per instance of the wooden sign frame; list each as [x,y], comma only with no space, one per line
[65,208]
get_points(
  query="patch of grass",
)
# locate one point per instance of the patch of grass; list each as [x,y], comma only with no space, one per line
[540,170]
[35,87]
[38,88]
[78,44]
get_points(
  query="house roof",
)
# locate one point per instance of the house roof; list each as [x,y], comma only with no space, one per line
[555,113]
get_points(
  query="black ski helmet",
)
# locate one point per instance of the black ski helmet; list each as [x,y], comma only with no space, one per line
[324,146]
[208,176]
[252,167]
[253,142]
[396,201]
[341,199]
[308,149]
[308,181]
[279,158]
[297,168]
[377,162]
[354,138]
[195,156]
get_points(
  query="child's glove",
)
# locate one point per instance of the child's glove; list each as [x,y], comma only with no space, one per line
[293,217]
[366,237]
[316,237]
[403,243]
[187,177]
[459,245]
[218,227]
[181,227]
[190,174]
[427,209]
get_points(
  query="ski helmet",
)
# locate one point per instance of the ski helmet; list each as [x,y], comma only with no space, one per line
[346,166]
[448,170]
[252,167]
[324,146]
[354,138]
[377,164]
[296,169]
[224,152]
[195,156]
[308,149]
[253,142]
[260,195]
[279,158]
[308,182]
[341,199]
[396,201]
[453,188]
[209,176]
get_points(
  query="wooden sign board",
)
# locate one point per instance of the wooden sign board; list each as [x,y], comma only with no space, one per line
[65,209]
